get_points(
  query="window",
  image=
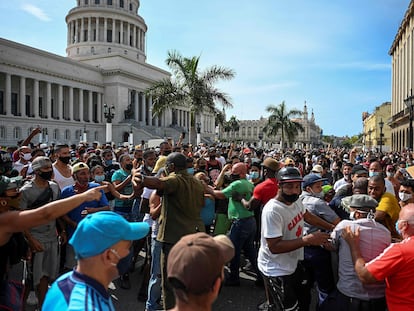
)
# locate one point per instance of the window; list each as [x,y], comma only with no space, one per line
[97,1]
[56,134]
[96,136]
[28,107]
[2,132]
[41,107]
[85,35]
[109,35]
[109,2]
[67,134]
[2,110]
[86,2]
[121,3]
[17,133]
[130,7]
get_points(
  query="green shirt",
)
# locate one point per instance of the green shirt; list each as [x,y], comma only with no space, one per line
[236,209]
[182,201]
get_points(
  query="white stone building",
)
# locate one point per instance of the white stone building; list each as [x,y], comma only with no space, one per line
[105,65]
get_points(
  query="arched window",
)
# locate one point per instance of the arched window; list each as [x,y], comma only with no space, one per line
[2,132]
[67,134]
[56,134]
[17,133]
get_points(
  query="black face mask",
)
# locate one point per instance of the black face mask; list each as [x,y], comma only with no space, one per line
[234,177]
[166,152]
[290,197]
[65,160]
[123,265]
[46,175]
[128,167]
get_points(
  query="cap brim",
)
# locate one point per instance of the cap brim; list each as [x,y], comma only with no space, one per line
[138,231]
[290,180]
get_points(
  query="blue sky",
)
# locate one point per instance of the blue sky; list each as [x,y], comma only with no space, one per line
[333,54]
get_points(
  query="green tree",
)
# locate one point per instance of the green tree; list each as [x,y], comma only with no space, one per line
[280,119]
[232,125]
[189,87]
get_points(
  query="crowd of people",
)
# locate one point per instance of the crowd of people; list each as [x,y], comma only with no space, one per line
[336,222]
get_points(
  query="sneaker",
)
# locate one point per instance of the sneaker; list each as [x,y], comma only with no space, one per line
[32,299]
[124,281]
[112,286]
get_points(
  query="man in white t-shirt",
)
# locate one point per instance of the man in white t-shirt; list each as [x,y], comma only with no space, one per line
[282,242]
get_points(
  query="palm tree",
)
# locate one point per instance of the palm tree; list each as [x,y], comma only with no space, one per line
[190,88]
[232,125]
[280,119]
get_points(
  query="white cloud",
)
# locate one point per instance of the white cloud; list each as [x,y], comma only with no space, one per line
[36,12]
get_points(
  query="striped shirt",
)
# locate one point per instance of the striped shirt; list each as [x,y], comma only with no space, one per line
[75,291]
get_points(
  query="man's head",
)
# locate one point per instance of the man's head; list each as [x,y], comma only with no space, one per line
[289,162]
[405,223]
[165,148]
[290,182]
[375,168]
[270,167]
[239,170]
[196,264]
[346,170]
[175,162]
[406,191]
[318,170]
[376,187]
[358,171]
[105,238]
[313,183]
[63,153]
[80,173]
[126,162]
[362,205]
[360,186]
[42,168]
[25,154]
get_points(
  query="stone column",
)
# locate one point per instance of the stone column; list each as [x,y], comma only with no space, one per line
[8,95]
[90,106]
[81,105]
[121,31]
[97,28]
[22,96]
[36,98]
[76,31]
[89,28]
[129,34]
[71,108]
[134,36]
[105,30]
[136,108]
[139,39]
[81,37]
[99,108]
[48,99]
[151,119]
[59,106]
[113,30]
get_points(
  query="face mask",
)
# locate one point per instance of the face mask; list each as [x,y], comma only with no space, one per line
[390,174]
[372,174]
[290,197]
[99,178]
[167,152]
[190,170]
[65,160]
[46,175]
[150,168]
[404,196]
[108,162]
[319,195]
[27,156]
[234,177]
[352,215]
[123,264]
[128,167]
[254,175]
[396,227]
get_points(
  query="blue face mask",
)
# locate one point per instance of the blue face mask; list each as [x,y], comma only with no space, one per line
[254,175]
[190,170]
[99,178]
[372,174]
[108,162]
[396,227]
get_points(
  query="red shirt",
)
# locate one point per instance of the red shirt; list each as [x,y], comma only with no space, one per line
[266,190]
[396,266]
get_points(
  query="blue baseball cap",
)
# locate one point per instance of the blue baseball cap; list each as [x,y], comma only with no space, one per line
[99,231]
[311,179]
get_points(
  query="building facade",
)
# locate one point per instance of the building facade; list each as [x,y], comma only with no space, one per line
[402,53]
[376,131]
[251,132]
[105,67]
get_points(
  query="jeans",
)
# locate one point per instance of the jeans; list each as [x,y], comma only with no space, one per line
[154,285]
[136,214]
[242,234]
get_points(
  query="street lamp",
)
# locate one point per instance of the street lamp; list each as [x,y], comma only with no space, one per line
[381,125]
[131,136]
[409,102]
[198,133]
[109,115]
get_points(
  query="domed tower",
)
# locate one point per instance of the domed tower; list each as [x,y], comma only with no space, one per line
[103,28]
[305,111]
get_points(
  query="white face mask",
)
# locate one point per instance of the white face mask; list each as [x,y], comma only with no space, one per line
[352,215]
[404,196]
[319,195]
[27,156]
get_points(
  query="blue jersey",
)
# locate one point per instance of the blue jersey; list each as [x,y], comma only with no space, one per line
[75,291]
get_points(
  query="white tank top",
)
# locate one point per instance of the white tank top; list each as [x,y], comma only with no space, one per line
[61,180]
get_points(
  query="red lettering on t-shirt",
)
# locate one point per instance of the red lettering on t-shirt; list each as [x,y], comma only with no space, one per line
[295,221]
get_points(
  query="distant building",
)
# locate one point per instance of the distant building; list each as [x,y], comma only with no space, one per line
[402,54]
[105,65]
[372,130]
[251,132]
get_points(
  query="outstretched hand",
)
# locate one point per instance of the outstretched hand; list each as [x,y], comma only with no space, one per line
[94,194]
[350,236]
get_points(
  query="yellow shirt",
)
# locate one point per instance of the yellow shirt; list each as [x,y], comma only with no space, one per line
[389,205]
